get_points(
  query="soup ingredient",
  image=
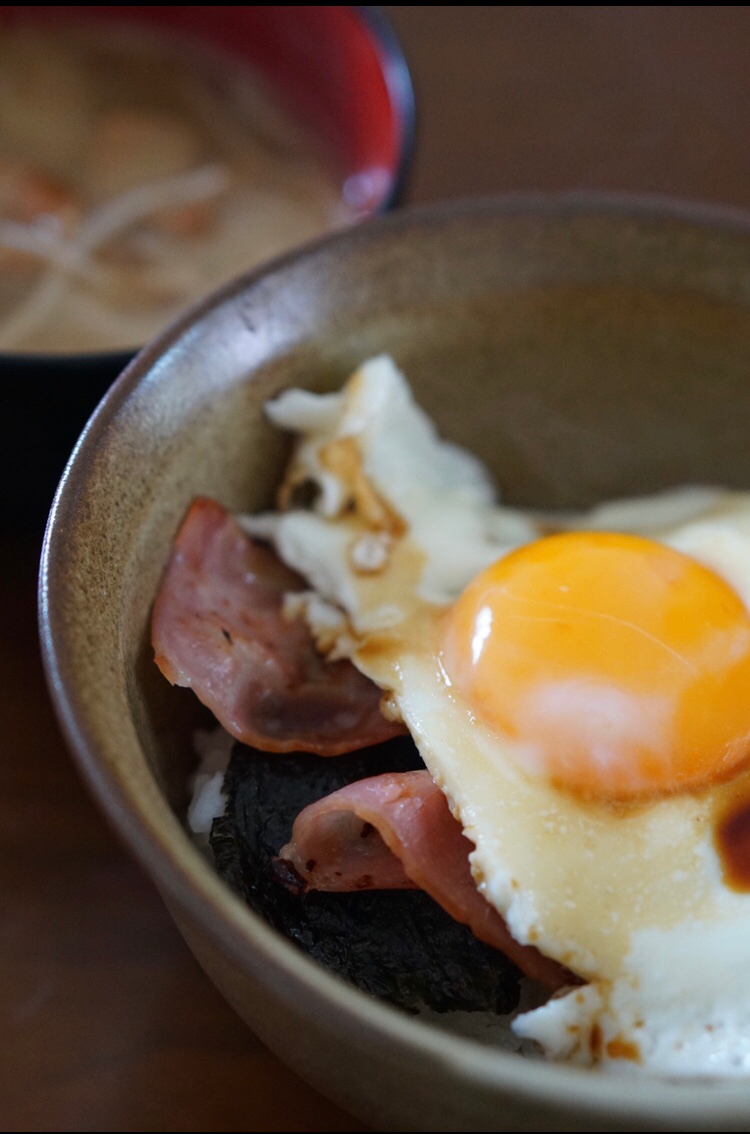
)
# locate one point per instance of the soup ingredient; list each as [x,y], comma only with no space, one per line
[136,174]
[619,881]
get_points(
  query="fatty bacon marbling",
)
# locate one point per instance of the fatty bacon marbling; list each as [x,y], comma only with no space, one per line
[396,831]
[218,627]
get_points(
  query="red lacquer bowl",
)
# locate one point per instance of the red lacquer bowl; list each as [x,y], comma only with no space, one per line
[338,70]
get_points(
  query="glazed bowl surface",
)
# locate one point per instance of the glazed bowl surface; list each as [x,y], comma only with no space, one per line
[337,71]
[584,347]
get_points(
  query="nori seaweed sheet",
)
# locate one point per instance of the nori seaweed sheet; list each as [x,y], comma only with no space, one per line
[398,945]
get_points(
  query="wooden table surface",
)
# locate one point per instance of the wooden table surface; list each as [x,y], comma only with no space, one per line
[108,1023]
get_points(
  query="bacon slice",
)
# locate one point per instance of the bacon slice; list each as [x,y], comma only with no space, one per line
[396,831]
[217,627]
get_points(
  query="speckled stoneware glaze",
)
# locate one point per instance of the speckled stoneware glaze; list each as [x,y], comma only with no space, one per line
[584,348]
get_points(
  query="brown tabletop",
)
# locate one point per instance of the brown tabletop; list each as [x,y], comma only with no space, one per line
[108,1023]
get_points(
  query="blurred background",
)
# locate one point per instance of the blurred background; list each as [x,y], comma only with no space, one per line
[109,1024]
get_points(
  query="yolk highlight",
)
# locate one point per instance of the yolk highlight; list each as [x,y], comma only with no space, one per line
[617,665]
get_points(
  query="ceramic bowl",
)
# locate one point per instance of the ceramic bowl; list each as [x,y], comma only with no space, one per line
[338,70]
[585,348]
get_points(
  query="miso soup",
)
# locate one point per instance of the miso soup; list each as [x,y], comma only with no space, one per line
[137,174]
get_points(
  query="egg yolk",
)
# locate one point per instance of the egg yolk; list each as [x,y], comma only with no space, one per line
[618,666]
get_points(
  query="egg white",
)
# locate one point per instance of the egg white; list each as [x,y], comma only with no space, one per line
[630,898]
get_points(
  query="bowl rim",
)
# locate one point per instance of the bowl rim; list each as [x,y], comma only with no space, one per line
[400,87]
[186,877]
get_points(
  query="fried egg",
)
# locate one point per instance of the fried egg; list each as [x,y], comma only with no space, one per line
[580,689]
